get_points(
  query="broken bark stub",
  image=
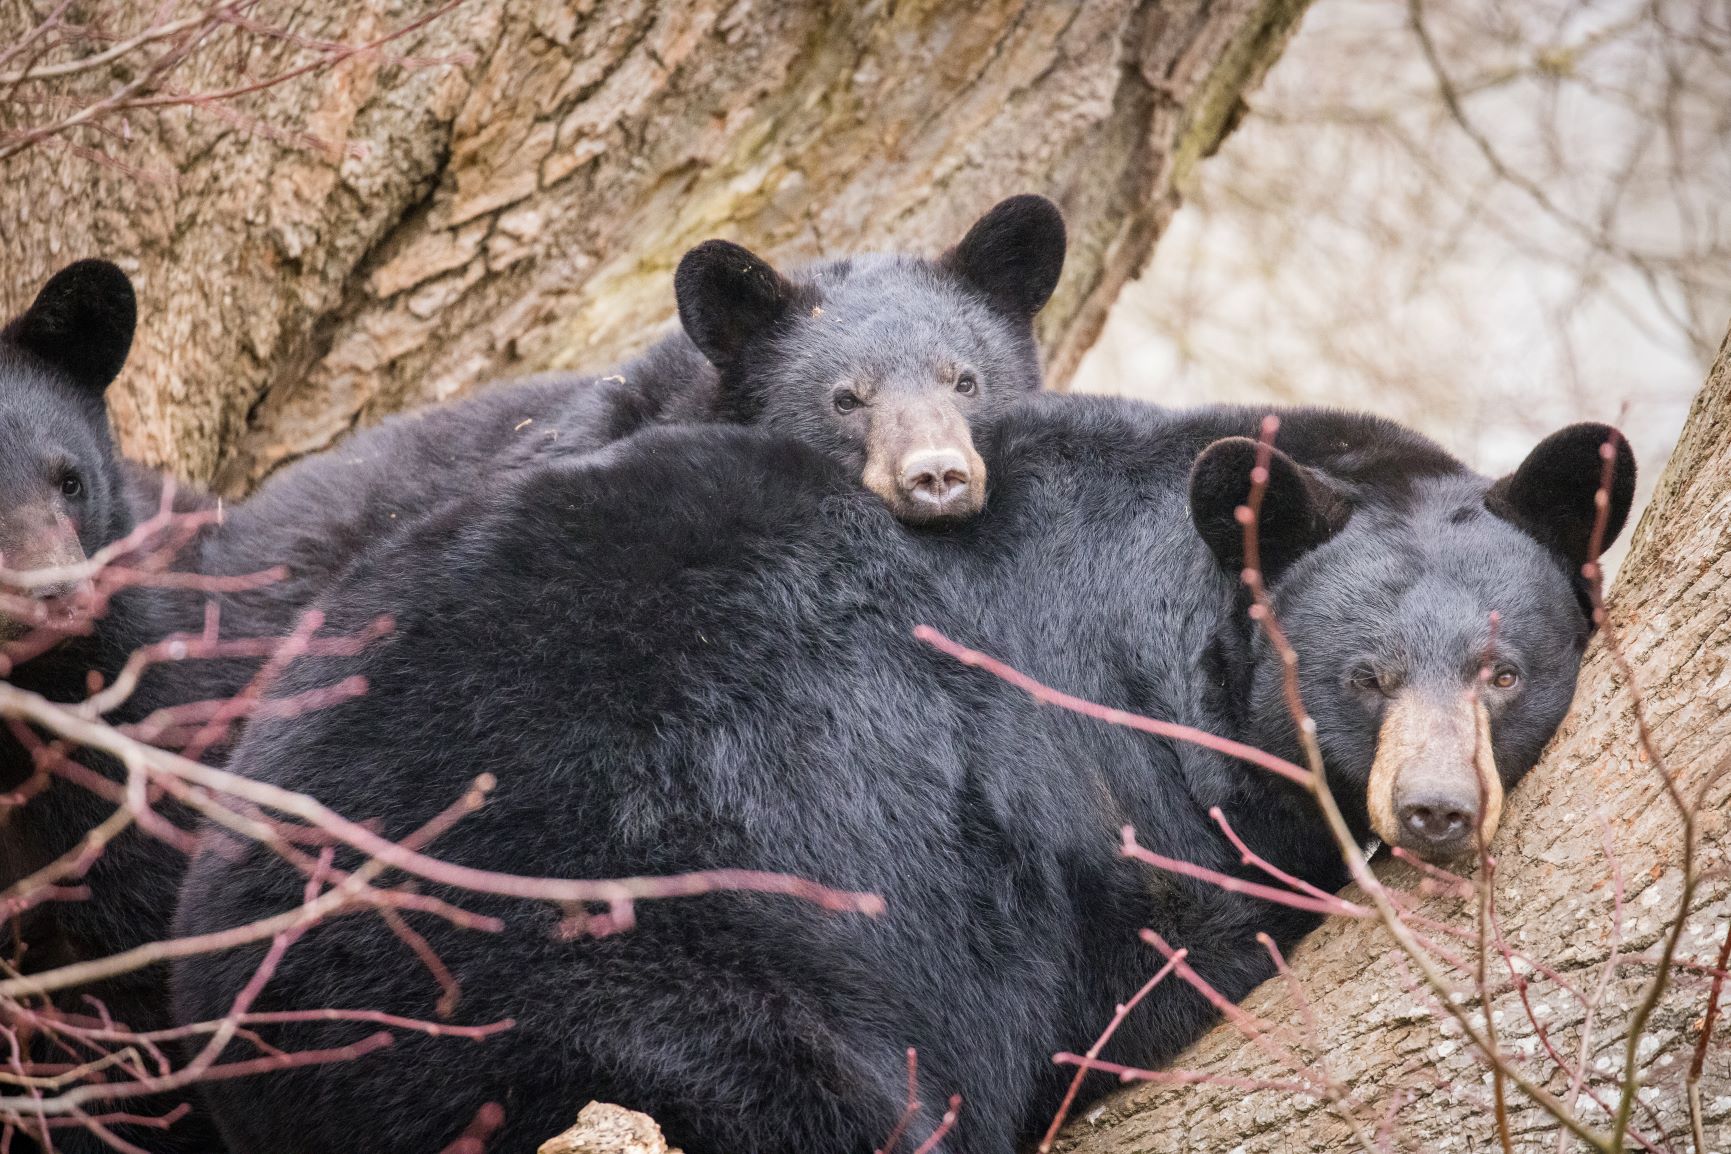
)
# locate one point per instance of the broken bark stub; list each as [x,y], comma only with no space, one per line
[603,1128]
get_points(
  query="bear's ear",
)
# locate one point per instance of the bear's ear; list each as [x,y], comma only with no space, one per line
[1299,508]
[1013,254]
[1552,494]
[81,323]
[727,295]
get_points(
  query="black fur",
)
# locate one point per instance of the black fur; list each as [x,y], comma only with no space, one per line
[1299,511]
[892,317]
[59,463]
[782,345]
[81,323]
[879,317]
[1014,254]
[1551,494]
[727,295]
[316,516]
[695,650]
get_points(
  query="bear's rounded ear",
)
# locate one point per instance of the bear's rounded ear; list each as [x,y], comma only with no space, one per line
[1013,254]
[1299,509]
[81,323]
[1552,495]
[727,295]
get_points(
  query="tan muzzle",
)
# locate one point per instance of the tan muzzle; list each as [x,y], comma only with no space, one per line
[35,540]
[920,460]
[1434,787]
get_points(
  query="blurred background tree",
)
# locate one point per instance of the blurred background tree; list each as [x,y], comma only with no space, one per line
[1481,217]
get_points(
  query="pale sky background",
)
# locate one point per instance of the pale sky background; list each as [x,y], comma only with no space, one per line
[1352,244]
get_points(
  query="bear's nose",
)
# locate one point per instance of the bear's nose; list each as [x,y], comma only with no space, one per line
[40,540]
[1438,826]
[935,477]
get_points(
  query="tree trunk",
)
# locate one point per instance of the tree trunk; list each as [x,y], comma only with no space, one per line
[1378,1033]
[518,201]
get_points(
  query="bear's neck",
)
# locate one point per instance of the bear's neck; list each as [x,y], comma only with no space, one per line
[1119,601]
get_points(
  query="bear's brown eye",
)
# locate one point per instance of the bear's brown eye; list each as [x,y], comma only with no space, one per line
[967,384]
[846,401]
[72,486]
[1505,678]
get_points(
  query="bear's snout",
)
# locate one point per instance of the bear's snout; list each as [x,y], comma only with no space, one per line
[1434,787]
[32,540]
[1438,822]
[920,459]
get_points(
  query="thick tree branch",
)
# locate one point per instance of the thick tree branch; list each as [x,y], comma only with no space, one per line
[521,206]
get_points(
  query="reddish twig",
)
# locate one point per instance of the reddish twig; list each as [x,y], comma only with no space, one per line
[473,1140]
[945,1125]
[1327,906]
[1698,1063]
[910,1111]
[1118,1016]
[1181,1077]
[1046,695]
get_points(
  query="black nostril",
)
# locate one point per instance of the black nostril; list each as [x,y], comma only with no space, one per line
[1437,823]
[936,478]
[940,486]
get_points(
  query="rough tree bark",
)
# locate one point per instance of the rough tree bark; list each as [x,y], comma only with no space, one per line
[1672,603]
[522,207]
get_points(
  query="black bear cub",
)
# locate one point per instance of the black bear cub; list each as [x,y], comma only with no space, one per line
[728,676]
[886,362]
[64,492]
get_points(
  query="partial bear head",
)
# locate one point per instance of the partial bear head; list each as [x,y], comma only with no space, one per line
[886,362]
[1439,620]
[59,493]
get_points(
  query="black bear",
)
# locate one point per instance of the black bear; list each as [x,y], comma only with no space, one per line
[926,346]
[697,650]
[884,361]
[65,492]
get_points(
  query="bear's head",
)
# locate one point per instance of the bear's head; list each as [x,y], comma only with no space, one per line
[885,362]
[1439,619]
[60,497]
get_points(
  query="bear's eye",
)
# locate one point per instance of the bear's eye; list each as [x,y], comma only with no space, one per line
[967,384]
[1369,679]
[846,401]
[1505,677]
[72,486]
